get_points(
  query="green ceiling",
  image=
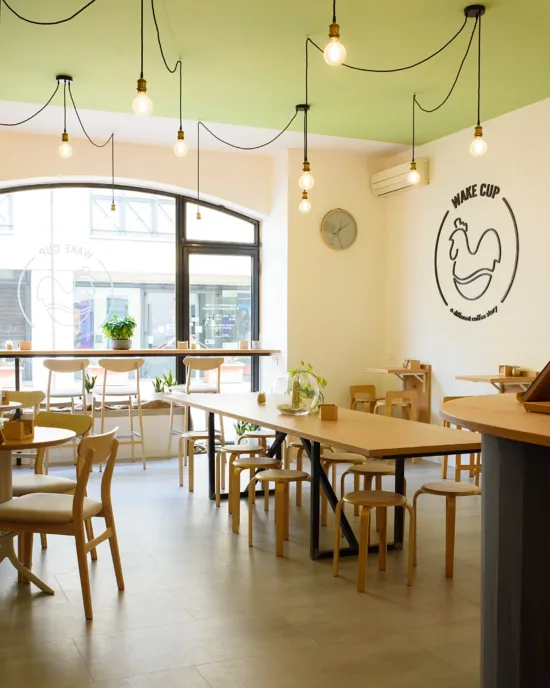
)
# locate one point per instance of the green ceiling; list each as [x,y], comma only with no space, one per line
[244,60]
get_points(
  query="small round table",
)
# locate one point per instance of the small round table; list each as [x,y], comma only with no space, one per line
[43,437]
[9,406]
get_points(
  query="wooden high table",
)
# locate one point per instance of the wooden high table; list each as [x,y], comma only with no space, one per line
[419,379]
[362,433]
[516,538]
[503,383]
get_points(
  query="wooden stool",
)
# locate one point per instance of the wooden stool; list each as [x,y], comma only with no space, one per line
[261,436]
[369,470]
[450,491]
[331,461]
[254,463]
[297,444]
[186,451]
[373,500]
[473,466]
[230,452]
[282,479]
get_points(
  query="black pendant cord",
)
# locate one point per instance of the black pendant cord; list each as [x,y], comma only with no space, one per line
[141,41]
[307,96]
[414,127]
[113,167]
[65,107]
[400,69]
[47,23]
[437,107]
[97,145]
[247,148]
[175,68]
[28,119]
[334,11]
[478,18]
[198,165]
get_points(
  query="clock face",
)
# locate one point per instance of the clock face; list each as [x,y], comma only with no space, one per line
[339,229]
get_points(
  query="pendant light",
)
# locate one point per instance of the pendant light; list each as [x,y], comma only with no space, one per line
[334,53]
[180,147]
[478,147]
[65,149]
[413,177]
[142,104]
[305,205]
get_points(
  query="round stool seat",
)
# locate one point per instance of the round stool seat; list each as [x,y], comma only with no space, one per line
[376,498]
[257,462]
[241,448]
[398,404]
[282,476]
[372,468]
[198,435]
[343,457]
[261,433]
[446,487]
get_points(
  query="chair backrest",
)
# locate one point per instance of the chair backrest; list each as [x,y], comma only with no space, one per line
[410,395]
[358,392]
[121,365]
[28,400]
[202,363]
[66,365]
[81,424]
[95,449]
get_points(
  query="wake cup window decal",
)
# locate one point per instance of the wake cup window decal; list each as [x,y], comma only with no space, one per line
[476,252]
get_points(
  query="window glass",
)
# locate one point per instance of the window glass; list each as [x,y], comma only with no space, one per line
[217,226]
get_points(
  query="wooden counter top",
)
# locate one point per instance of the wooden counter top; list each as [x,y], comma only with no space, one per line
[398,371]
[501,415]
[104,353]
[499,379]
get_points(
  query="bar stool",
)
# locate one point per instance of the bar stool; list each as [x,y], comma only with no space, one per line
[254,464]
[66,366]
[261,435]
[474,465]
[129,392]
[450,491]
[331,461]
[363,394]
[282,479]
[199,364]
[228,454]
[368,500]
[369,470]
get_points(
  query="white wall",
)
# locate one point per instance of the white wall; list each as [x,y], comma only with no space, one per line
[418,324]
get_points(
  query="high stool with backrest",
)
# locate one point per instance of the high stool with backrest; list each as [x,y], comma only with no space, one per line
[129,392]
[67,514]
[368,500]
[450,491]
[363,394]
[474,465]
[188,438]
[253,464]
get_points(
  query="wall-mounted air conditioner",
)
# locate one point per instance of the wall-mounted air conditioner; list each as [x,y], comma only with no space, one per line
[395,180]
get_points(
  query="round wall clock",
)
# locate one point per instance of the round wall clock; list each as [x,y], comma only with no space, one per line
[338,229]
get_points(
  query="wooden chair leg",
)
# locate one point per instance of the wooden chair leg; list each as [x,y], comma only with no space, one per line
[363,548]
[170,431]
[412,543]
[478,468]
[458,468]
[299,467]
[21,554]
[113,544]
[280,518]
[231,478]
[450,536]
[337,520]
[131,421]
[472,465]
[43,540]
[266,497]
[141,435]
[382,539]
[185,429]
[324,500]
[236,498]
[251,492]
[26,540]
[218,478]
[444,467]
[287,512]
[191,458]
[252,495]
[223,467]
[80,539]
[182,441]
[415,512]
[378,486]
[357,487]
[90,535]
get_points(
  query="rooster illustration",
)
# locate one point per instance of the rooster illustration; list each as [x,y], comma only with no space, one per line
[473,270]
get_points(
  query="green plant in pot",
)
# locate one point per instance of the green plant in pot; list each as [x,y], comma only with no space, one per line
[120,331]
[89,382]
[242,426]
[305,387]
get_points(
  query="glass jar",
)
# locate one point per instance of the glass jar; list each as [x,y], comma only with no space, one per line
[304,391]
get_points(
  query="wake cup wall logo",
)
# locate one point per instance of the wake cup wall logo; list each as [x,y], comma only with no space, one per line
[476,252]
[64,280]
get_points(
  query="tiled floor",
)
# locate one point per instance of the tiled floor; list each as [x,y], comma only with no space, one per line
[202,610]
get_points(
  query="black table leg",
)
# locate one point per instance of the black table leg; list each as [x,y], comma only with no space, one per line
[211,455]
[399,511]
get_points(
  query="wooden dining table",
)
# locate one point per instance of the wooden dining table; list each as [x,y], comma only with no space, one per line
[43,437]
[375,437]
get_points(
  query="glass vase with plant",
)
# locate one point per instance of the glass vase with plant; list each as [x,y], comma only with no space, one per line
[305,387]
[120,331]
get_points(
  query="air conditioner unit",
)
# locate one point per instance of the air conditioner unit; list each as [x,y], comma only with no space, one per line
[395,180]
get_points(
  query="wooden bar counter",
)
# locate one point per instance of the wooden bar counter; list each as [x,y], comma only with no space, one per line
[516,538]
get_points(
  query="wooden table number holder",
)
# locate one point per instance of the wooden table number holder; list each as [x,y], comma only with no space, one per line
[328,412]
[18,429]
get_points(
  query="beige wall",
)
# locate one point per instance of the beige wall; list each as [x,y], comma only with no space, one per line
[418,324]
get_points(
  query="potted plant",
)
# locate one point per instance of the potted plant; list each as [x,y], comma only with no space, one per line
[306,387]
[241,427]
[158,388]
[169,380]
[120,331]
[89,382]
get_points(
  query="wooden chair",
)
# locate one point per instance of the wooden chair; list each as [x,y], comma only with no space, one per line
[368,500]
[474,464]
[253,464]
[450,491]
[30,401]
[282,479]
[329,463]
[66,366]
[363,394]
[406,400]
[63,514]
[129,392]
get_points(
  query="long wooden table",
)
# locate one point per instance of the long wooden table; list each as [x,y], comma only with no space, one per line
[362,433]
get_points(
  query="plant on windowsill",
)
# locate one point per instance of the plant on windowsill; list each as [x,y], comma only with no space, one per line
[306,387]
[89,382]
[158,387]
[120,331]
[169,380]
[242,427]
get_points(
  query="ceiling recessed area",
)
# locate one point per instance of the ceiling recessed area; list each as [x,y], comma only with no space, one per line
[243,61]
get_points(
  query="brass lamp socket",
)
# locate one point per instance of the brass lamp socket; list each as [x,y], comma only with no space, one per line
[180,135]
[413,165]
[334,31]
[199,216]
[478,131]
[141,86]
[65,136]
[113,207]
[306,167]
[304,195]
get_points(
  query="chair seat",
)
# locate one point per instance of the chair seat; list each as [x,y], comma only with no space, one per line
[257,462]
[446,487]
[397,404]
[65,393]
[279,475]
[117,391]
[343,457]
[374,498]
[199,434]
[241,448]
[373,468]
[45,508]
[31,484]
